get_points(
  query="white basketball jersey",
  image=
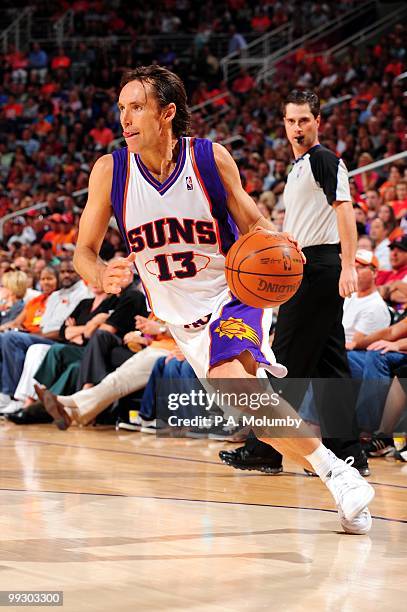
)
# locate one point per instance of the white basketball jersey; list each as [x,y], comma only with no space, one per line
[180,230]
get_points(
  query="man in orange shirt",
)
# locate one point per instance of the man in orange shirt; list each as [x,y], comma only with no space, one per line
[66,235]
[101,134]
[54,234]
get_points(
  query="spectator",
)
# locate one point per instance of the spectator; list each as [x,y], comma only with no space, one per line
[60,362]
[172,367]
[101,134]
[365,243]
[37,63]
[380,236]
[12,295]
[365,311]
[373,361]
[381,443]
[60,61]
[237,42]
[14,344]
[365,180]
[48,255]
[373,201]
[400,204]
[392,284]
[18,236]
[243,83]
[129,377]
[395,177]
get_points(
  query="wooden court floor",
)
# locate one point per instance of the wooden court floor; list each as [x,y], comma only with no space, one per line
[126,521]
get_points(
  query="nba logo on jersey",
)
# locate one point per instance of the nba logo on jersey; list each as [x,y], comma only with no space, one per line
[189,183]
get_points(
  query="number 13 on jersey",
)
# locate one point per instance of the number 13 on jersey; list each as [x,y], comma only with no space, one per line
[183,264]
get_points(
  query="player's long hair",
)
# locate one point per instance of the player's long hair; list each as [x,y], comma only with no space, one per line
[168,88]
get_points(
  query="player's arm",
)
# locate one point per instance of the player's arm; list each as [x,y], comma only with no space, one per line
[348,282]
[115,275]
[240,205]
[331,175]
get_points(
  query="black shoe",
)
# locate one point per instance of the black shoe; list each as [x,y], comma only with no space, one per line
[380,445]
[310,473]
[243,458]
[29,417]
[360,462]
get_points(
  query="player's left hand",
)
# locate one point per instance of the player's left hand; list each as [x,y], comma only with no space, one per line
[348,281]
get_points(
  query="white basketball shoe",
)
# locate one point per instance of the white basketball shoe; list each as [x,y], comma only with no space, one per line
[352,494]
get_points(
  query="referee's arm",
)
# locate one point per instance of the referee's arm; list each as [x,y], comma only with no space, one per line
[331,174]
[348,282]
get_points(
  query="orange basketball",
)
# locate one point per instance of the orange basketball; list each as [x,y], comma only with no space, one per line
[263,269]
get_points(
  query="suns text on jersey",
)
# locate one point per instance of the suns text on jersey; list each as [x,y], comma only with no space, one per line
[170,230]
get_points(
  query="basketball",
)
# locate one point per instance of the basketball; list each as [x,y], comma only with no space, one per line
[263,269]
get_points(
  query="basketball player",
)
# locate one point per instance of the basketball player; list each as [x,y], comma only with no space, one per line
[309,337]
[177,201]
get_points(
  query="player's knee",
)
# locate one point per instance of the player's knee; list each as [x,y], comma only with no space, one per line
[227,369]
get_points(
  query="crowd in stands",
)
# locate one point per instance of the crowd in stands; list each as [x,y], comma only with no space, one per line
[58,114]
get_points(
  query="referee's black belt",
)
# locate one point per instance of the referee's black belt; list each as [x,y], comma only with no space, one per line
[319,249]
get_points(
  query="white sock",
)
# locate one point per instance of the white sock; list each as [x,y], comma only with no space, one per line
[322,460]
[67,400]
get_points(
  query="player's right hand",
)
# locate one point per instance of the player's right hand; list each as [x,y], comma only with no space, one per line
[289,237]
[297,246]
[118,274]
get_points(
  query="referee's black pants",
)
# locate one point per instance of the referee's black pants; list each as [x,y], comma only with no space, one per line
[310,341]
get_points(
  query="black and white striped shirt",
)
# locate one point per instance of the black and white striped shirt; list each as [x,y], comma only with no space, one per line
[316,181]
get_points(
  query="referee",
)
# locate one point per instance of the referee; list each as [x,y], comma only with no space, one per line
[309,337]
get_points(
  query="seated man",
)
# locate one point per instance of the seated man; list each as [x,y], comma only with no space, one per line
[173,366]
[64,365]
[392,284]
[382,443]
[89,315]
[365,311]
[14,344]
[373,361]
[131,376]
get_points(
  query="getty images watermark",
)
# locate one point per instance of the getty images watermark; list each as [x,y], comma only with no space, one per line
[201,400]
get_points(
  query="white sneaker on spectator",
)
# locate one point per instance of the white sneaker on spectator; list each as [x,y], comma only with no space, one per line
[13,406]
[352,495]
[139,424]
[4,400]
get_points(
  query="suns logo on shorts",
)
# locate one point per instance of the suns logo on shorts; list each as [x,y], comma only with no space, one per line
[236,328]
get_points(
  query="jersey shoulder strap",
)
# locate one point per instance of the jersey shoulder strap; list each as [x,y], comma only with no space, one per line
[121,173]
